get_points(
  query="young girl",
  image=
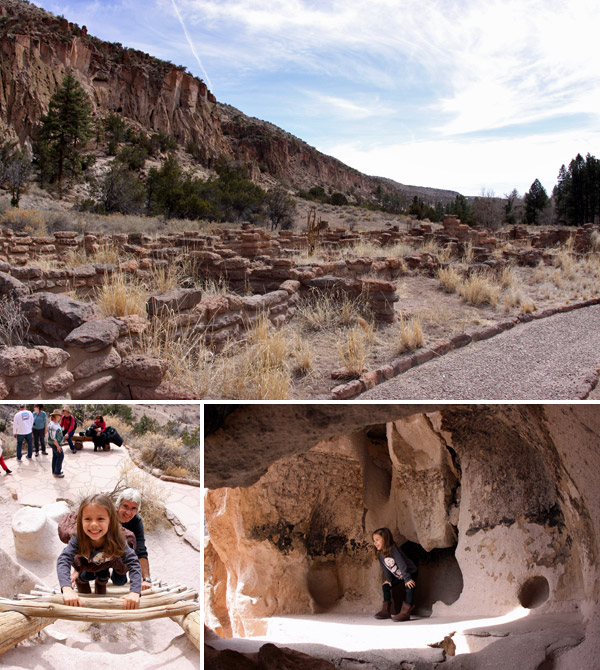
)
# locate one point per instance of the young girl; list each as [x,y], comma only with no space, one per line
[98,546]
[397,567]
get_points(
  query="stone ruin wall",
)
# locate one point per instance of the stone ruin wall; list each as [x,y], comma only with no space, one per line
[495,496]
[249,261]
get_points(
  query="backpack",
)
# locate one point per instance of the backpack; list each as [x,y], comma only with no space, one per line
[67,527]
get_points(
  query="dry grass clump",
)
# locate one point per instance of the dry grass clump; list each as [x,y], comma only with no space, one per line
[565,261]
[163,278]
[514,298]
[326,310]
[354,348]
[108,253]
[302,353]
[468,254]
[527,305]
[411,332]
[508,278]
[478,290]
[119,296]
[449,279]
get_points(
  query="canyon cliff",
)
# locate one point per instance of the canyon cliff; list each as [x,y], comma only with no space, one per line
[37,49]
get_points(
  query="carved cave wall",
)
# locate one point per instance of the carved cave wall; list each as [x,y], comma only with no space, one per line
[495,502]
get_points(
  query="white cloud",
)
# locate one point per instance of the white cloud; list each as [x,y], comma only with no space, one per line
[321,104]
[489,63]
[469,166]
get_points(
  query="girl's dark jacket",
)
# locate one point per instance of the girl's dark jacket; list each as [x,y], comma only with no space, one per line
[398,565]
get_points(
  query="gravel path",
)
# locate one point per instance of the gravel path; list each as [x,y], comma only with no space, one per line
[548,359]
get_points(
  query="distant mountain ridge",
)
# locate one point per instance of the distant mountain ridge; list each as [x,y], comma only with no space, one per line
[37,49]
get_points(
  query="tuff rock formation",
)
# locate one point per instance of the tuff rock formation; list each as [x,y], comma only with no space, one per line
[37,49]
[498,504]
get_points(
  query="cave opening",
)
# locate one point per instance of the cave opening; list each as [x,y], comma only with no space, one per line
[440,577]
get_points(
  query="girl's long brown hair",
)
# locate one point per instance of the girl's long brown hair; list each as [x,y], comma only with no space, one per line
[388,541]
[114,540]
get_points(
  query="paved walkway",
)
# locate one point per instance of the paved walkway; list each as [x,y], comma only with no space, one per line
[548,359]
[85,471]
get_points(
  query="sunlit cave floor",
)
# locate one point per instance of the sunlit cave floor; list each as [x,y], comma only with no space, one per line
[520,640]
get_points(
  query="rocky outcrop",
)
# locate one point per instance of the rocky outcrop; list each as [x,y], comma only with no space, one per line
[498,503]
[37,49]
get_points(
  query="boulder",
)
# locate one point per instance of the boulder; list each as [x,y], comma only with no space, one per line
[64,311]
[176,300]
[94,335]
[12,287]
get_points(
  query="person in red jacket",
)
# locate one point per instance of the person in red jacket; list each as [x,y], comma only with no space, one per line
[68,424]
[99,424]
[2,463]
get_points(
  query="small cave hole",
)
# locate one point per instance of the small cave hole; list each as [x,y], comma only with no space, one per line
[534,592]
[324,585]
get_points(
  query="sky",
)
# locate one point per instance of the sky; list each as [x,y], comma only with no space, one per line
[468,95]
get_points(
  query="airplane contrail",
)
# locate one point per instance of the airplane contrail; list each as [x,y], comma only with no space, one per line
[191,44]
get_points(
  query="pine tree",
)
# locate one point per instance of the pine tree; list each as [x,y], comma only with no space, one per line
[536,201]
[64,131]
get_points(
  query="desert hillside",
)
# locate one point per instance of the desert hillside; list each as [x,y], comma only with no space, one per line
[38,49]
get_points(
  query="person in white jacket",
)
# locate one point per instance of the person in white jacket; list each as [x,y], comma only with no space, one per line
[23,430]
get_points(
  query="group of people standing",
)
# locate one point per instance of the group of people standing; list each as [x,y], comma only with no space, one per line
[36,429]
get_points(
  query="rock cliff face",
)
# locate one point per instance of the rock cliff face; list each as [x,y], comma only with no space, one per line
[37,49]
[498,504]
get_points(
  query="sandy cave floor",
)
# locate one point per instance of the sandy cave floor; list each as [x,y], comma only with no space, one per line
[520,639]
[63,645]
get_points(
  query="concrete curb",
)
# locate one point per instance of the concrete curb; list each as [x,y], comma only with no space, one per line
[370,379]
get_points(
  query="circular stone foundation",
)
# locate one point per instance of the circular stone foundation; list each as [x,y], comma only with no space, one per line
[534,592]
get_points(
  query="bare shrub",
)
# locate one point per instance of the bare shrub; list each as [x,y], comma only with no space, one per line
[24,220]
[14,325]
[169,453]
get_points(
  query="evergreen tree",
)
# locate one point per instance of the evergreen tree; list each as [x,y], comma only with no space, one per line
[577,192]
[64,131]
[536,201]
